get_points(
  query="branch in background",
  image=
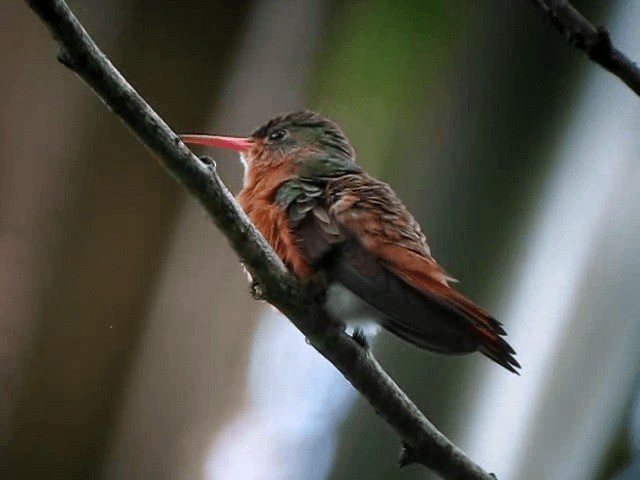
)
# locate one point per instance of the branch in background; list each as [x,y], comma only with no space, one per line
[422,442]
[596,42]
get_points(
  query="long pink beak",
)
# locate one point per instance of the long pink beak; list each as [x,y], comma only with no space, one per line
[232,143]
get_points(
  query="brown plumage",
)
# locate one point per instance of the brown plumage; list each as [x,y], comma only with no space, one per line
[321,212]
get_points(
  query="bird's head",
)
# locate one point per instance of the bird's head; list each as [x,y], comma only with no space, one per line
[303,141]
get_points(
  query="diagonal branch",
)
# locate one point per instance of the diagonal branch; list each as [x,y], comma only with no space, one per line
[596,42]
[422,442]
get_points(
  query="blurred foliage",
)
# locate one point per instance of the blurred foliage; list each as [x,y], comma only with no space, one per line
[372,73]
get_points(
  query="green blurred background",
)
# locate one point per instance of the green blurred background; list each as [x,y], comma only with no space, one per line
[129,345]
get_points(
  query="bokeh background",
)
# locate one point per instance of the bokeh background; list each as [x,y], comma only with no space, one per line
[129,345]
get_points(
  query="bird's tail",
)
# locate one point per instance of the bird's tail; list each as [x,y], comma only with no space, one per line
[419,306]
[489,332]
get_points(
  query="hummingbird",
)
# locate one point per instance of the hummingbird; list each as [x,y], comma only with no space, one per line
[325,217]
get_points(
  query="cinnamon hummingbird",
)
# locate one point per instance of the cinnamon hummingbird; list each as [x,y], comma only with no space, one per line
[324,215]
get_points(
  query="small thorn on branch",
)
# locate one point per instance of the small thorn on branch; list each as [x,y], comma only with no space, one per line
[407,456]
[209,162]
[66,59]
[257,290]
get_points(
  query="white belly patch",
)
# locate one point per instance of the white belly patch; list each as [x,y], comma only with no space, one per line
[346,307]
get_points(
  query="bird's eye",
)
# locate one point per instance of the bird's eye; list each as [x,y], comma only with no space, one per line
[277,135]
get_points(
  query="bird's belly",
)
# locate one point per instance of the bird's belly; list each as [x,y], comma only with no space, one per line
[346,307]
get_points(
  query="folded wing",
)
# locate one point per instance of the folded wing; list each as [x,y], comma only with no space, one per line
[364,237]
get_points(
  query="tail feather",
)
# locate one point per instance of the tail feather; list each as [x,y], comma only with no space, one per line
[501,355]
[425,275]
[489,332]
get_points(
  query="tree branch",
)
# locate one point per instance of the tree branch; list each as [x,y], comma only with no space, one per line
[596,42]
[422,442]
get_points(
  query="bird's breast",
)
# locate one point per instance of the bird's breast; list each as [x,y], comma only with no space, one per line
[272,222]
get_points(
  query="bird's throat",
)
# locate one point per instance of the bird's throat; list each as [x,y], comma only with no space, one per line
[245,166]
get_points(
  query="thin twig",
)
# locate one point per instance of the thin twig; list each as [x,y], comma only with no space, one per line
[423,443]
[596,42]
